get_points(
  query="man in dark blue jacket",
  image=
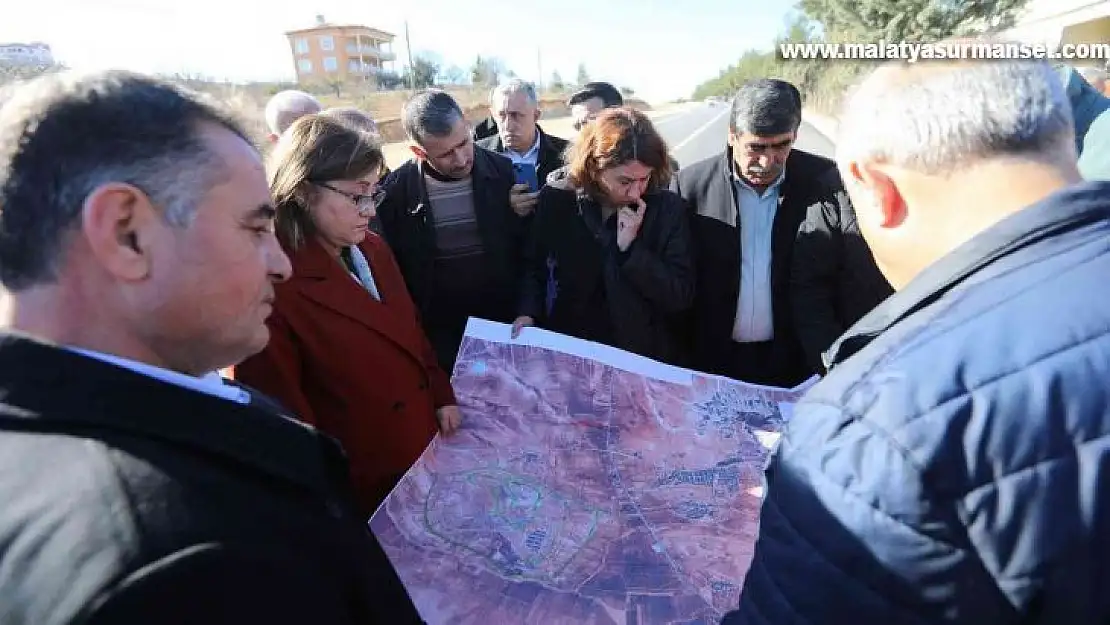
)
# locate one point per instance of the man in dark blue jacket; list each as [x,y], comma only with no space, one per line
[953,466]
[1091,111]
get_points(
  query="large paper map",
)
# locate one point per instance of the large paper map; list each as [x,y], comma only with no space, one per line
[587,486]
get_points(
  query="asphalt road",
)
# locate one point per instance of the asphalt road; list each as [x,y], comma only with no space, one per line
[700,132]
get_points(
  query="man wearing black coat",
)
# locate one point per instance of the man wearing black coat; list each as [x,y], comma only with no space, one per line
[747,206]
[454,224]
[952,467]
[136,240]
[834,280]
[520,139]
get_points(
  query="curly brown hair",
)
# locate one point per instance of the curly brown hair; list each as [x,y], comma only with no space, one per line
[619,135]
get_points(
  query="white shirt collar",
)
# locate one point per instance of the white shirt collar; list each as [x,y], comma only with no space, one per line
[211,383]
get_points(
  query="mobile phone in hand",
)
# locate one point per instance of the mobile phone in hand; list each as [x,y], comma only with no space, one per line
[526,174]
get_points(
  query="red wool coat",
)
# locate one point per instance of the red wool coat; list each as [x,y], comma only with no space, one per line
[357,369]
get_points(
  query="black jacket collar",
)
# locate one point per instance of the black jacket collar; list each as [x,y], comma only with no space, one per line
[1060,212]
[50,388]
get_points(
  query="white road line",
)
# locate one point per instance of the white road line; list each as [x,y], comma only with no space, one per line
[671,116]
[693,135]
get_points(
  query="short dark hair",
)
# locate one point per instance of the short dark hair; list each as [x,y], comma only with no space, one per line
[619,135]
[766,107]
[315,149]
[65,134]
[430,113]
[608,94]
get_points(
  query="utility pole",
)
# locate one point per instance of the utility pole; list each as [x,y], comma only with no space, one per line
[539,64]
[412,70]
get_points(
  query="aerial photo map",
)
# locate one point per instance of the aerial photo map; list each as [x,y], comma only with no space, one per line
[587,486]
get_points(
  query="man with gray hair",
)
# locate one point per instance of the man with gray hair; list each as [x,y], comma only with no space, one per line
[952,466]
[286,107]
[449,218]
[136,240]
[516,107]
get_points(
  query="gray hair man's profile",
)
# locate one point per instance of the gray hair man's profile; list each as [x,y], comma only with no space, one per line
[286,107]
[952,465]
[137,245]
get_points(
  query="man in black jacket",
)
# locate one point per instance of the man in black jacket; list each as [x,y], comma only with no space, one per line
[454,224]
[834,280]
[137,243]
[952,467]
[516,108]
[747,205]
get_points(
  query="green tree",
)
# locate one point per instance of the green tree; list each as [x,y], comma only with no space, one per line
[910,20]
[823,81]
[557,83]
[583,75]
[486,72]
[422,74]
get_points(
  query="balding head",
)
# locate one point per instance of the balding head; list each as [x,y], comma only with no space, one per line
[287,107]
[934,152]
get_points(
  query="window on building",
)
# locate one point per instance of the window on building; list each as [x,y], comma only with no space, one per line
[305,66]
[301,46]
[330,64]
[327,43]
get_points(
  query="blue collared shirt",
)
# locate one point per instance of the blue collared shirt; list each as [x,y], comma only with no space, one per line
[754,312]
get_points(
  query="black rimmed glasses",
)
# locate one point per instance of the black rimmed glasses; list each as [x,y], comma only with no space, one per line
[365,204]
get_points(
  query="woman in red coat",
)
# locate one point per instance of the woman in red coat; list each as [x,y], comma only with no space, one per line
[346,352]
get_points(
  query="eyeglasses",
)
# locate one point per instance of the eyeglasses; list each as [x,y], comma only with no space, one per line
[365,204]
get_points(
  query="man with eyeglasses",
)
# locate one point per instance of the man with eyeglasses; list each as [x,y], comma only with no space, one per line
[747,206]
[449,218]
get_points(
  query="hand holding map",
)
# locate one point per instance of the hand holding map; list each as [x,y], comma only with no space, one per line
[589,485]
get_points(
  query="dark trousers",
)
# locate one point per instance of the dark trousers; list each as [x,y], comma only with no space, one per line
[753,363]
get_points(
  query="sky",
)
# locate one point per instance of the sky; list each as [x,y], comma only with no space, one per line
[661,49]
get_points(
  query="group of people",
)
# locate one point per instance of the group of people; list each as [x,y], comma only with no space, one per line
[597,238]
[942,276]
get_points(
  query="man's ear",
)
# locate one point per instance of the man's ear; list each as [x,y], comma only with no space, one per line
[884,191]
[418,152]
[116,221]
